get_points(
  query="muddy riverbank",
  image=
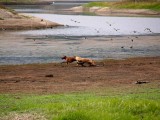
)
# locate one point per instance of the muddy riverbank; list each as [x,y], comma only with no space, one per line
[57,78]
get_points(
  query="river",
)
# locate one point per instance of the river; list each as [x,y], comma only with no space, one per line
[96,37]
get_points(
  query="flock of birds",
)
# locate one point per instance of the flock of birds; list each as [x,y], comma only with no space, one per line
[131,38]
[148,30]
[122,47]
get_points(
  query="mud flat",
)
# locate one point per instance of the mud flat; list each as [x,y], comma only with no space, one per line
[57,78]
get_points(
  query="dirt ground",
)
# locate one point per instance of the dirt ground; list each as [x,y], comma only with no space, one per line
[57,78]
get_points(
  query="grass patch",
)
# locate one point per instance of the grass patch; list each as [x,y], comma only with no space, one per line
[139,5]
[84,106]
[126,5]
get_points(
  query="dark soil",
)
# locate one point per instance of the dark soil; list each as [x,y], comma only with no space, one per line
[57,78]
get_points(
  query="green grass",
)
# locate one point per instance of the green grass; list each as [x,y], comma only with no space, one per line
[85,106]
[126,5]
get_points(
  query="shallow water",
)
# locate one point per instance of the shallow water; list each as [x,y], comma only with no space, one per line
[95,37]
[78,25]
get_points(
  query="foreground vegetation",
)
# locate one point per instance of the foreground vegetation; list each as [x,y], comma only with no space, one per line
[126,5]
[143,104]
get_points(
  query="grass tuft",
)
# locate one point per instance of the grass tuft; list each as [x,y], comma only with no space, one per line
[75,115]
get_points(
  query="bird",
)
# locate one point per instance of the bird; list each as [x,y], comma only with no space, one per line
[75,21]
[67,25]
[132,40]
[65,36]
[148,29]
[116,29]
[85,37]
[97,30]
[109,24]
[131,47]
[136,37]
[41,20]
[134,31]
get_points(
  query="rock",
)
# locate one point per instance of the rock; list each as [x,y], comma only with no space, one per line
[49,75]
[141,82]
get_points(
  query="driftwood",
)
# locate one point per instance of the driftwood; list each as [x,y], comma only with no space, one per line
[141,82]
[50,75]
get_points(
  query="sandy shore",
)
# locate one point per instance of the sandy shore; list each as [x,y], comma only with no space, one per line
[57,78]
[26,23]
[10,20]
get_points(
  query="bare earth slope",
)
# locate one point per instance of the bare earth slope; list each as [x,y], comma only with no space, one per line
[106,11]
[10,20]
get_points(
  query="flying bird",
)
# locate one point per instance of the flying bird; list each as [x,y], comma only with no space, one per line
[116,29]
[109,24]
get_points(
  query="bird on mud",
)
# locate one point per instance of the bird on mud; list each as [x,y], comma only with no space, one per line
[131,47]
